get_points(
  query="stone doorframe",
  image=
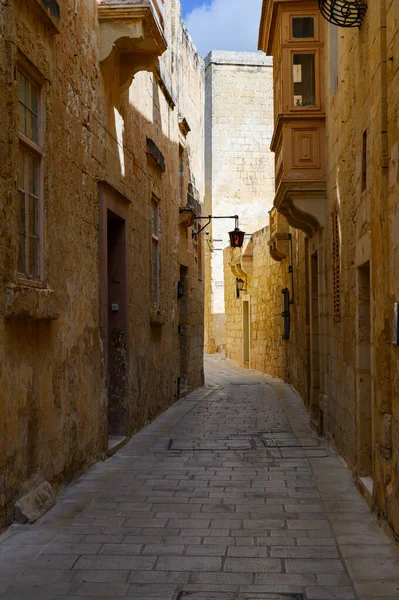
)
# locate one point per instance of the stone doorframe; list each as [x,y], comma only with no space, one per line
[111,201]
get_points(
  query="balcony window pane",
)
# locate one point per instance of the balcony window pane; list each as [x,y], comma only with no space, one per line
[22,224]
[32,175]
[28,95]
[304,80]
[33,257]
[21,255]
[21,172]
[33,216]
[154,217]
[302,27]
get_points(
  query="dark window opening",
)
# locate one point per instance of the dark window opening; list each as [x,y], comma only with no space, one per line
[302,27]
[303,73]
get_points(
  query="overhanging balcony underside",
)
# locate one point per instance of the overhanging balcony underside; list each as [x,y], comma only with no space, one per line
[304,204]
[133,30]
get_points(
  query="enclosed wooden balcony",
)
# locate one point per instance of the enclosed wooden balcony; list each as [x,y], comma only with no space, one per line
[293,33]
[131,31]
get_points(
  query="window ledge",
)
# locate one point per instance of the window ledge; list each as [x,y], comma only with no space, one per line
[49,12]
[157,317]
[31,303]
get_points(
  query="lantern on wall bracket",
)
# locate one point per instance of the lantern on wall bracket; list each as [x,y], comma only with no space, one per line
[240,286]
[236,236]
[343,13]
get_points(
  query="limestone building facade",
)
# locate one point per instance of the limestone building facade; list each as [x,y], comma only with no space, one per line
[239,166]
[101,177]
[329,259]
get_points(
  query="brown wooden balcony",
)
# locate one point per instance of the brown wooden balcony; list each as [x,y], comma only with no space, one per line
[293,32]
[298,144]
[132,31]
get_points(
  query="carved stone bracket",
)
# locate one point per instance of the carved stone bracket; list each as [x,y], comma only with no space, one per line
[305,207]
[241,264]
[132,31]
[186,216]
[278,235]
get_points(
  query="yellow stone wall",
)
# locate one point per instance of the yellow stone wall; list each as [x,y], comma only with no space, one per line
[342,361]
[53,391]
[269,353]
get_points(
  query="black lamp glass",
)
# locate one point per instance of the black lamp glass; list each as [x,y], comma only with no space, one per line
[236,238]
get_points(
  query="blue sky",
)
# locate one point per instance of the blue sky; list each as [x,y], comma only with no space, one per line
[223,24]
[188,5]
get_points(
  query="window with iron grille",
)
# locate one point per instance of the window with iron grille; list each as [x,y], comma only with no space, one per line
[336,265]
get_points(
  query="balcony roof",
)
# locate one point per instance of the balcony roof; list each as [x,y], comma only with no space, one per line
[268,20]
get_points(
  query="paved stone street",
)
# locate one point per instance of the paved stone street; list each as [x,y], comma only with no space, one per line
[228,495]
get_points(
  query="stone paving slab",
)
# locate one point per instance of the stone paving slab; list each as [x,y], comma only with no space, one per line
[228,495]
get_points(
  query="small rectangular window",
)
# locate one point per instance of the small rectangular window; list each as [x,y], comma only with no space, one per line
[303,75]
[155,252]
[302,27]
[29,177]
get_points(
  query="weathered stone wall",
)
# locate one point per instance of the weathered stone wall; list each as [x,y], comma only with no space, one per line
[53,358]
[269,353]
[340,355]
[239,164]
[363,184]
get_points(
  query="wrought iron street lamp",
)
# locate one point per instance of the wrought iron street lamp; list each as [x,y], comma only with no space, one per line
[236,236]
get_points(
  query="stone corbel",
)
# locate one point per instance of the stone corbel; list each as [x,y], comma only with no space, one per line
[278,246]
[240,270]
[304,208]
[186,216]
[134,34]
[278,235]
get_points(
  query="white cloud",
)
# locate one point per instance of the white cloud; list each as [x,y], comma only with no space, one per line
[225,25]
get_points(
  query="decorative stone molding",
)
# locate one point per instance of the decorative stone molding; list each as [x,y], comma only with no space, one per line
[157,317]
[241,263]
[156,154]
[184,126]
[164,88]
[49,12]
[278,235]
[186,216]
[133,29]
[305,207]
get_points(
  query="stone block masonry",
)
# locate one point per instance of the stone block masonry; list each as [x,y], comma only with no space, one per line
[239,165]
[94,167]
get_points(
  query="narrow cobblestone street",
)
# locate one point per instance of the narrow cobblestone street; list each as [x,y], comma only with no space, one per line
[227,495]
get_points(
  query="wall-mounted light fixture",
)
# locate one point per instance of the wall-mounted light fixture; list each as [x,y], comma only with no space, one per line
[240,283]
[236,236]
[180,290]
[343,13]
[286,314]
